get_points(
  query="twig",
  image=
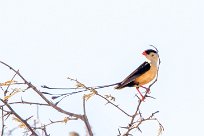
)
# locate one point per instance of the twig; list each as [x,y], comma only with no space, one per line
[10,84]
[86,121]
[133,118]
[29,103]
[45,131]
[2,123]
[53,122]
[113,104]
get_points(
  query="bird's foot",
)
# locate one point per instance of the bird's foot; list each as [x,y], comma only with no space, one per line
[147,89]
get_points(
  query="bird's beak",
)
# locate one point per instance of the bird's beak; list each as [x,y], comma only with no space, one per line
[144,53]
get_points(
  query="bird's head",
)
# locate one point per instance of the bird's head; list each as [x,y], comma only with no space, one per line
[151,55]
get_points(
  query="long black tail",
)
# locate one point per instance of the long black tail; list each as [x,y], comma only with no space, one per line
[74,88]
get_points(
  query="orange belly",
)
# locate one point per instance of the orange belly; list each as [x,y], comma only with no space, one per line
[147,77]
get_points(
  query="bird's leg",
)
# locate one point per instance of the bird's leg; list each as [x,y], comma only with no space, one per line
[140,93]
[147,89]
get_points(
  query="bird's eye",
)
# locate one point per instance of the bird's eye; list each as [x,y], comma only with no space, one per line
[152,55]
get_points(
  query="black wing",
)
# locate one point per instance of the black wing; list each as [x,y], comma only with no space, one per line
[129,81]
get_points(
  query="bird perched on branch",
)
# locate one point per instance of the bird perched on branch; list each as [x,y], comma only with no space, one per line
[144,74]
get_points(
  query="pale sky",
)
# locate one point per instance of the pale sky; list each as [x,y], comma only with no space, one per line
[100,42]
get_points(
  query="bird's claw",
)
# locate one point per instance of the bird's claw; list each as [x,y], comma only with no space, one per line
[148,91]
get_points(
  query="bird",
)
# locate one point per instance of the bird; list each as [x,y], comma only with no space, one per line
[144,74]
